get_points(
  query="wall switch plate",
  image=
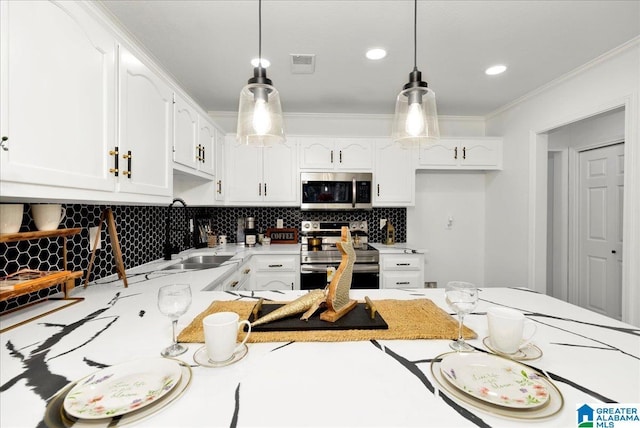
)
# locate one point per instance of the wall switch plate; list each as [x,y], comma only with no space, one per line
[383,222]
[92,238]
[279,223]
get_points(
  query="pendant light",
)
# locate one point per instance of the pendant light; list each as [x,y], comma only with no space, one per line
[260,113]
[416,119]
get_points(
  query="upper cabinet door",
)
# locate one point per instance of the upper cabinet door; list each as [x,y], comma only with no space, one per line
[354,154]
[317,153]
[146,129]
[206,146]
[395,174]
[482,153]
[220,150]
[443,153]
[243,173]
[57,97]
[280,176]
[185,144]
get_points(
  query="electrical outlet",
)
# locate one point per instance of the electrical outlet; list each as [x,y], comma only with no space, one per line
[92,238]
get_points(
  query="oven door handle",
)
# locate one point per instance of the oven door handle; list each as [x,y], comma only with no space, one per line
[357,268]
[353,192]
[313,268]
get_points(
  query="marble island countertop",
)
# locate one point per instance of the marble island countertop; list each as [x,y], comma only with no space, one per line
[591,359]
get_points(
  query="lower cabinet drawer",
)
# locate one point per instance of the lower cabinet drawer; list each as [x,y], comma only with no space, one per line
[401,280]
[276,263]
[401,262]
[281,281]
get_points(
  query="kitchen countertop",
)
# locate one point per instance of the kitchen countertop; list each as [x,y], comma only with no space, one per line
[397,248]
[591,359]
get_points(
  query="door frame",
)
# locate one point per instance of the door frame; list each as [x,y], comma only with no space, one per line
[537,230]
[573,221]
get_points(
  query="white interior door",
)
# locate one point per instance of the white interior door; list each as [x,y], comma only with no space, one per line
[600,229]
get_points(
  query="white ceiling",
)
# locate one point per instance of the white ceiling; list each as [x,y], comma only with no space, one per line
[207,46]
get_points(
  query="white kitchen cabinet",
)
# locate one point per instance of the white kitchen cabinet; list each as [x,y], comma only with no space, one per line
[194,138]
[395,174]
[186,129]
[207,139]
[462,153]
[339,154]
[275,272]
[261,174]
[146,129]
[240,279]
[57,99]
[220,172]
[401,270]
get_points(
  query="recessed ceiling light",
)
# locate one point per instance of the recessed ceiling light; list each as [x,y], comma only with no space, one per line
[376,53]
[495,69]
[265,62]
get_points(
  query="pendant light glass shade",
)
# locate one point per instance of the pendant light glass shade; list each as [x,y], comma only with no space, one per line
[416,117]
[260,113]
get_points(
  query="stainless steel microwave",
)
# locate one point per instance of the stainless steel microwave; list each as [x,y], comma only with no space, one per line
[336,191]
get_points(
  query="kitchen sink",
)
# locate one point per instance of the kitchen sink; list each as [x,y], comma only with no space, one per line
[198,262]
[208,260]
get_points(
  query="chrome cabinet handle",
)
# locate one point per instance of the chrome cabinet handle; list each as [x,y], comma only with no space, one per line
[378,189]
[219,186]
[340,156]
[331,156]
[455,153]
[275,266]
[464,153]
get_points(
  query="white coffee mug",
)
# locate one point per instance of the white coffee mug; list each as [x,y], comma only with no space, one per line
[47,216]
[507,329]
[221,335]
[11,217]
[222,239]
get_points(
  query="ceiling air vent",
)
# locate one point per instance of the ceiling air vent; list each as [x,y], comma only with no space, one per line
[303,63]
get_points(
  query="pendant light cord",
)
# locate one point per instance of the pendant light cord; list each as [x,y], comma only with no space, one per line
[415,34]
[260,33]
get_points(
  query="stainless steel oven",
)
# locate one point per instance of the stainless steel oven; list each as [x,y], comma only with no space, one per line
[336,191]
[317,259]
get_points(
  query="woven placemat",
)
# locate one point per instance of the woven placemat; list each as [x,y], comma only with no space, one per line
[407,319]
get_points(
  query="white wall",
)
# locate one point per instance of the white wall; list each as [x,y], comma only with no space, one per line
[516,196]
[455,253]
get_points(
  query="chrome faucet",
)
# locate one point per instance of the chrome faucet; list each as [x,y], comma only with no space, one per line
[168,248]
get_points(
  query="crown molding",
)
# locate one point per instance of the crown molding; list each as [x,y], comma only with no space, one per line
[635,42]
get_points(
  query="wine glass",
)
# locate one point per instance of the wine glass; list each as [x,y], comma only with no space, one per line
[173,301]
[462,297]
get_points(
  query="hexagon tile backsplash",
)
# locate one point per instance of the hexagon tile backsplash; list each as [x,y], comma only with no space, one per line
[141,232]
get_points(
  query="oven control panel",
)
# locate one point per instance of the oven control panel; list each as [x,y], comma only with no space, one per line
[317,228]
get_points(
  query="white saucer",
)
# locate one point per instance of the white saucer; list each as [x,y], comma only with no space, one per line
[202,358]
[528,352]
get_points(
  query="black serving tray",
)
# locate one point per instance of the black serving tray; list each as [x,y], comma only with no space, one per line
[358,318]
